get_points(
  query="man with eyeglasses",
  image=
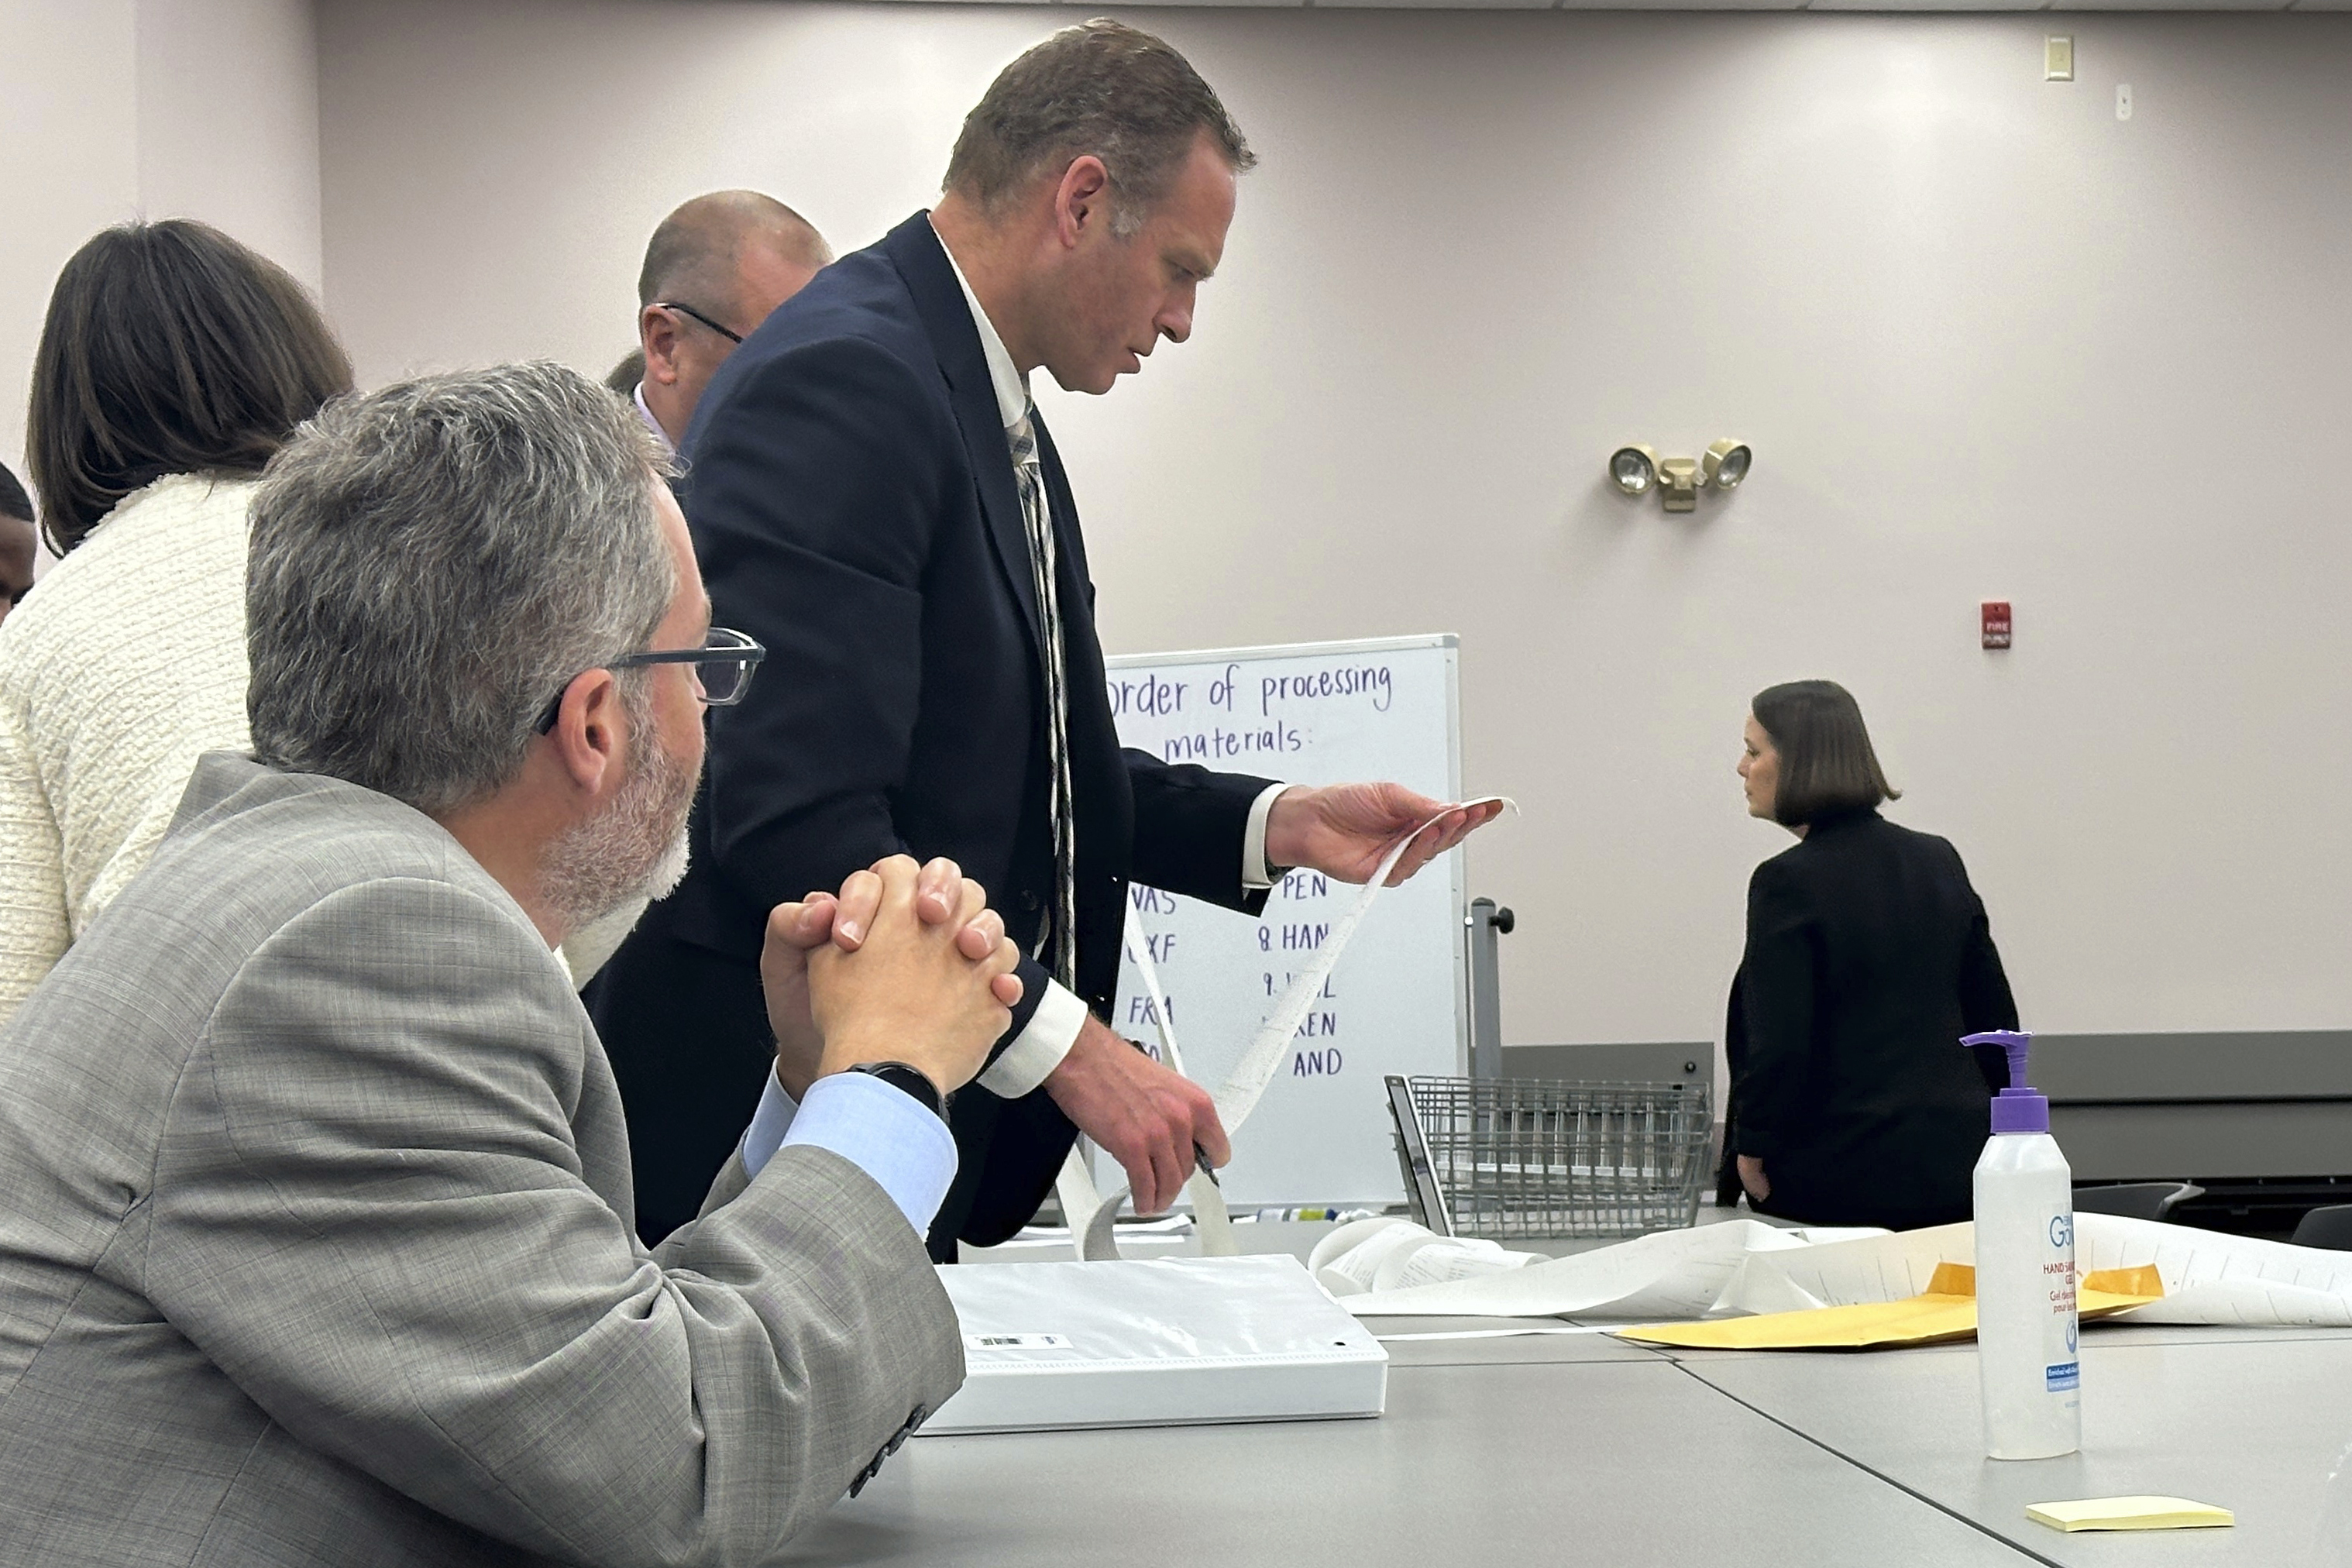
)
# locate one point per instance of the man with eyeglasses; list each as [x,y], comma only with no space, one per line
[714,270]
[318,1241]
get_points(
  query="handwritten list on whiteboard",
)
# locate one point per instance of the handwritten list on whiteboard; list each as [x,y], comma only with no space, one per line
[1310,714]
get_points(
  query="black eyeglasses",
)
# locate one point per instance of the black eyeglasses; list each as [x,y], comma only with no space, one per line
[689,311]
[722,666]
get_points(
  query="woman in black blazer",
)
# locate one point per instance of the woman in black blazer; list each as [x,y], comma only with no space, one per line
[1868,957]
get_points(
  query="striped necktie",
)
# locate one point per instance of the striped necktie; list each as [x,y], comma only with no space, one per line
[1060,939]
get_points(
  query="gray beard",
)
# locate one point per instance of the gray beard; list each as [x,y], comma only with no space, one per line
[634,850]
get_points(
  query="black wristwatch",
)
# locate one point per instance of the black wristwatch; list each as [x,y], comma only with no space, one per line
[913,1080]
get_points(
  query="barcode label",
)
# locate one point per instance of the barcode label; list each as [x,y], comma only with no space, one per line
[1016,1342]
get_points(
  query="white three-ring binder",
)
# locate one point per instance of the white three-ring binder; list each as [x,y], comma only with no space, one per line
[1153,1343]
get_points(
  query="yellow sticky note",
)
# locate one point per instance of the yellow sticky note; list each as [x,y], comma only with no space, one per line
[2129,1513]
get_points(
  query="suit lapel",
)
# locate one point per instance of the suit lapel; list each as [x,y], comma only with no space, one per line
[915,250]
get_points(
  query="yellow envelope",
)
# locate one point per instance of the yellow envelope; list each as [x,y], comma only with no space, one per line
[2129,1513]
[1945,1312]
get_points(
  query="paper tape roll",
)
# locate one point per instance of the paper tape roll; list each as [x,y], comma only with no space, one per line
[1092,1216]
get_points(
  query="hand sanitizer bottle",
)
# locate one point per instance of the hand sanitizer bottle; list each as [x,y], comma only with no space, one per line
[2026,1329]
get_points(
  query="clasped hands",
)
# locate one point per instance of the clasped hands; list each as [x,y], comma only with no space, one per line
[905,963]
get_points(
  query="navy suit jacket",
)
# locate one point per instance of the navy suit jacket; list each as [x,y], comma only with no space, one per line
[854,507]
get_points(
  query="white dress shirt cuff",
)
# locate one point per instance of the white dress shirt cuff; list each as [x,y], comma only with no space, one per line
[1039,1048]
[770,1123]
[1256,871]
[882,1131]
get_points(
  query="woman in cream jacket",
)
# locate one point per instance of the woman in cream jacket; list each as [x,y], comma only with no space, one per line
[173,363]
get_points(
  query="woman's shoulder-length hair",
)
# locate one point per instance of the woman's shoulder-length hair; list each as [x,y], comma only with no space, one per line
[169,348]
[1827,765]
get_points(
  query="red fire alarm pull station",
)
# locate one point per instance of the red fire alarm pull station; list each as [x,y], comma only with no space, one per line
[1995,622]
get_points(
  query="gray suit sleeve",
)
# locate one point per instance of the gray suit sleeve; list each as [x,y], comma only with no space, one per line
[725,1188]
[372,1212]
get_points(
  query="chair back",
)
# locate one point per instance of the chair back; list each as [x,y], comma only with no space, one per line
[2136,1200]
[2330,1228]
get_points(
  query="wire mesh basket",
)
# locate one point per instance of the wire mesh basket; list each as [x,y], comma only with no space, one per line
[1507,1158]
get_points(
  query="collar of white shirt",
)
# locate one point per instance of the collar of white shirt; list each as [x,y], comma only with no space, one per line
[652,424]
[1012,391]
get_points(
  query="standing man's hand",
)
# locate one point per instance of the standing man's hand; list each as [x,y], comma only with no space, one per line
[1146,1116]
[1752,1177]
[796,931]
[1343,830]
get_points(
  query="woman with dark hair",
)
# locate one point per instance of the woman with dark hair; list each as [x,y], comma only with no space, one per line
[174,363]
[1868,956]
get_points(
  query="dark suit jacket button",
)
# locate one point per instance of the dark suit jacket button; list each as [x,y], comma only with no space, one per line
[1029,902]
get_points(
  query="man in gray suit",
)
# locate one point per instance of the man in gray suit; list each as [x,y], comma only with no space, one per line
[316,1245]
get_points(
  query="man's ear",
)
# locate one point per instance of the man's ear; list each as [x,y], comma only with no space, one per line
[1082,199]
[658,331]
[590,736]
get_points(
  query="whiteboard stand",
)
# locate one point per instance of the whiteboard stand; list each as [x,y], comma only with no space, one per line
[1486,922]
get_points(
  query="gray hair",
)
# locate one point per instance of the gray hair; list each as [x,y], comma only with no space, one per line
[1101,88]
[432,563]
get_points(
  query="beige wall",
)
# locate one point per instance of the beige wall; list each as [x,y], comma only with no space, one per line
[69,123]
[228,121]
[1988,342]
[117,109]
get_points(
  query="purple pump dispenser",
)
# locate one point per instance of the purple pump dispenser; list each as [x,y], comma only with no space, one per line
[2016,1109]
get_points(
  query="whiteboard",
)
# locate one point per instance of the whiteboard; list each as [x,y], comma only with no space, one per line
[1311,713]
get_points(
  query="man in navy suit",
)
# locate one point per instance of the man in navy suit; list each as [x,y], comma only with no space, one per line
[873,497]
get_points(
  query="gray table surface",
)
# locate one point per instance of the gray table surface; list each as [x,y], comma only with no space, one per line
[1627,1463]
[1585,1449]
[2258,1428]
